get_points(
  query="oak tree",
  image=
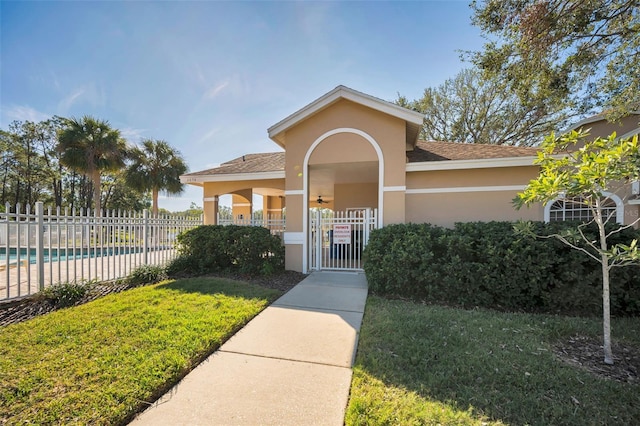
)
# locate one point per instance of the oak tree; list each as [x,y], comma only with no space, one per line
[584,54]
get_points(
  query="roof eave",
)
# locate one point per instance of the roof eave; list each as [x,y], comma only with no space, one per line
[483,163]
[633,132]
[227,177]
[592,119]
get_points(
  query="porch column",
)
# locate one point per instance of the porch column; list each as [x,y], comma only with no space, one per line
[294,237]
[210,210]
[242,204]
[272,206]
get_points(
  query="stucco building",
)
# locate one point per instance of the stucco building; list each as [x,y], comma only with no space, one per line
[360,157]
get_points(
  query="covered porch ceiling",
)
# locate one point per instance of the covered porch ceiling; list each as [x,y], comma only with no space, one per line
[272,192]
[323,177]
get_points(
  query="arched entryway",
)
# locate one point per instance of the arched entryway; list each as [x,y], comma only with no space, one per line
[343,174]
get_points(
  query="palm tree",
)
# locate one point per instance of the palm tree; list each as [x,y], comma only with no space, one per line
[155,167]
[90,146]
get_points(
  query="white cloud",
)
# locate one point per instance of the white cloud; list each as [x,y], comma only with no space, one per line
[91,93]
[214,91]
[132,134]
[199,75]
[208,135]
[66,103]
[24,113]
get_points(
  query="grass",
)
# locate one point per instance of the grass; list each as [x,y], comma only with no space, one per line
[428,365]
[101,362]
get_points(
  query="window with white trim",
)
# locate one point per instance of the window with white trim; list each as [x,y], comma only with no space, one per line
[577,209]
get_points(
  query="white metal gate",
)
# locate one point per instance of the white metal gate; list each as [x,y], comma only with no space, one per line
[336,239]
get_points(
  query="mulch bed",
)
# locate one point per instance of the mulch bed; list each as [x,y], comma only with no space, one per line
[588,353]
[13,312]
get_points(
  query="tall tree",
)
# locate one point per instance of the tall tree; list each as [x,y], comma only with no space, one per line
[585,176]
[47,131]
[585,54]
[27,177]
[471,108]
[118,195]
[7,161]
[90,146]
[155,167]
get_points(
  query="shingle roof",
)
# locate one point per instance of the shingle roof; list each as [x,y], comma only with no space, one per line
[423,152]
[250,163]
[442,151]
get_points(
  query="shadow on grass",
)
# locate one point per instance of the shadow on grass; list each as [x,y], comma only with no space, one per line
[212,285]
[500,364]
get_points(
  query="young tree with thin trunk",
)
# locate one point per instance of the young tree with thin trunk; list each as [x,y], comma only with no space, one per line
[91,147]
[155,167]
[587,176]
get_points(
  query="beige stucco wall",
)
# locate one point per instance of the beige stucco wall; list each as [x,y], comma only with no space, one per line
[447,209]
[497,176]
[458,196]
[343,148]
[603,128]
[395,206]
[624,192]
[389,133]
[294,212]
[354,195]
[293,257]
[631,215]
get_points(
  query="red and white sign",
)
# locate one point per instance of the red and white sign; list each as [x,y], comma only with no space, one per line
[342,234]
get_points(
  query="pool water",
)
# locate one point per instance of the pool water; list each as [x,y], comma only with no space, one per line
[63,254]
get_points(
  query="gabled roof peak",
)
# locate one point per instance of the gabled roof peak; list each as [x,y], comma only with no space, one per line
[414,119]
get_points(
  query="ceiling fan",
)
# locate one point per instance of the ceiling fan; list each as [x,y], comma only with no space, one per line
[320,200]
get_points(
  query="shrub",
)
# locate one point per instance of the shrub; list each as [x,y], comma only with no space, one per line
[214,248]
[253,250]
[180,267]
[487,264]
[67,293]
[147,274]
[206,248]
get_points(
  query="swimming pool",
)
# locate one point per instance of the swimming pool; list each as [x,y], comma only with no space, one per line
[63,254]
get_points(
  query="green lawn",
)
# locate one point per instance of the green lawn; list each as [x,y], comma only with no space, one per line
[428,365]
[101,362]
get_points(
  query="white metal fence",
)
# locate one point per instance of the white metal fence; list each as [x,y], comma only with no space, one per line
[39,248]
[274,223]
[337,239]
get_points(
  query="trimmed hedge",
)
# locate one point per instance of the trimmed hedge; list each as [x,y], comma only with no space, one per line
[489,265]
[215,248]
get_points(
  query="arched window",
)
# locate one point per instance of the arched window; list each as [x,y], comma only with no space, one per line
[575,209]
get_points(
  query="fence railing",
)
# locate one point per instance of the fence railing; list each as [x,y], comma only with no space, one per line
[337,239]
[274,223]
[39,248]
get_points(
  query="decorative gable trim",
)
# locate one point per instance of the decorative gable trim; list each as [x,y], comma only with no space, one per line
[341,92]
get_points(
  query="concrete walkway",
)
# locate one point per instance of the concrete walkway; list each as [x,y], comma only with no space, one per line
[291,365]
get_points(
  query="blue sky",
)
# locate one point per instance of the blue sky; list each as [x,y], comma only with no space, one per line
[211,77]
